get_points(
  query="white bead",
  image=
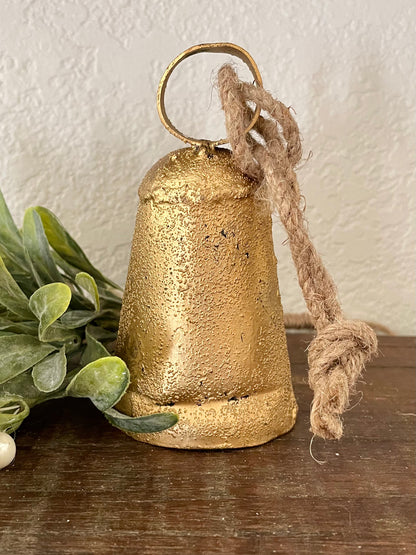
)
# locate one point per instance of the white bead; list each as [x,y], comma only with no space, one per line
[7,449]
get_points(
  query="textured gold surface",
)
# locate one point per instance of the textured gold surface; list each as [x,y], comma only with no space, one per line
[201,325]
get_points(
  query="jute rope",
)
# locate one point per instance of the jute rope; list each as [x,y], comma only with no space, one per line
[303,320]
[341,348]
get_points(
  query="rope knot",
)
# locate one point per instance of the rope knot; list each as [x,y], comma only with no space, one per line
[283,138]
[336,359]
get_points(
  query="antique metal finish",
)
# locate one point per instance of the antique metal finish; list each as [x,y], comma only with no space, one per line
[217,47]
[201,325]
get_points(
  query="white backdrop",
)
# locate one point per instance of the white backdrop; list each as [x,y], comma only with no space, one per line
[79,127]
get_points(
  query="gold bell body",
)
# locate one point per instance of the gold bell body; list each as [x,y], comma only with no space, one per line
[201,325]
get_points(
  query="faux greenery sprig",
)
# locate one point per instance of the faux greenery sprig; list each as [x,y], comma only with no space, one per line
[58,322]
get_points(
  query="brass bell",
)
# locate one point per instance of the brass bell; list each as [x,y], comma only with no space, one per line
[201,325]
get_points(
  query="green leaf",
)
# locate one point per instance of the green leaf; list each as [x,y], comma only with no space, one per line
[13,410]
[20,352]
[94,349]
[142,424]
[10,236]
[57,333]
[37,247]
[77,318]
[104,381]
[67,269]
[11,296]
[48,304]
[49,373]
[88,284]
[101,334]
[28,328]
[110,295]
[108,318]
[23,386]
[16,267]
[62,242]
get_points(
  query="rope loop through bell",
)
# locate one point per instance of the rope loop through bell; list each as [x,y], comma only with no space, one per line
[338,354]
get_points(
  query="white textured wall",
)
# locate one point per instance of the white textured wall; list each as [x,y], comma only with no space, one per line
[79,128]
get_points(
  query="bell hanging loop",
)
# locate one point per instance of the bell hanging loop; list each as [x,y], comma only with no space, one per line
[216,48]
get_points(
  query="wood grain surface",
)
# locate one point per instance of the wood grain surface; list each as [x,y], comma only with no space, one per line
[79,486]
